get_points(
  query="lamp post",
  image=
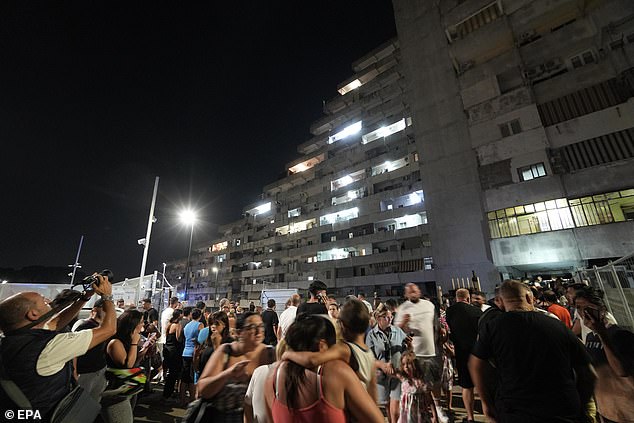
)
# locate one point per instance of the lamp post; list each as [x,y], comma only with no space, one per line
[188,217]
[215,270]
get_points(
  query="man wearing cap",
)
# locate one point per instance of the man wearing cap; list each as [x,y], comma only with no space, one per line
[318,299]
[91,367]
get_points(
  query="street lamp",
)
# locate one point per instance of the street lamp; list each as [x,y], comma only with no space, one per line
[188,217]
[215,270]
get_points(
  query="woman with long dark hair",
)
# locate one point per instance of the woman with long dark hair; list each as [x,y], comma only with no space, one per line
[324,394]
[226,375]
[122,352]
[172,353]
[611,348]
[211,337]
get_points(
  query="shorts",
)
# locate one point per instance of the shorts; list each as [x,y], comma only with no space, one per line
[431,369]
[187,376]
[464,378]
[388,388]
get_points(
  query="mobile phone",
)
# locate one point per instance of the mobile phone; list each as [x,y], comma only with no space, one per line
[593,313]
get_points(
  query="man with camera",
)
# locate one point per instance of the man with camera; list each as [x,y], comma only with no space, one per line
[35,356]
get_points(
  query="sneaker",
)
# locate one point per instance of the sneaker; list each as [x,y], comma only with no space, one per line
[442,417]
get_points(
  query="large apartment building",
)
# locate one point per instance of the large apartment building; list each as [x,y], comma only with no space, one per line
[350,210]
[523,114]
[493,137]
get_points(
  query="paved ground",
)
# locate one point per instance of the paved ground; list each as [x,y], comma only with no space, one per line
[153,408]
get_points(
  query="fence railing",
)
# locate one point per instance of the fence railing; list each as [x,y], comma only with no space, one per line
[617,281]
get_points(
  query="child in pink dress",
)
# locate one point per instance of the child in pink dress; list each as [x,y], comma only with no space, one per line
[417,404]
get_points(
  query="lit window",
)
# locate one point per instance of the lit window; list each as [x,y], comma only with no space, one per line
[347,180]
[531,172]
[384,131]
[220,246]
[353,85]
[390,166]
[349,130]
[561,214]
[307,164]
[263,208]
[340,216]
[428,262]
[295,212]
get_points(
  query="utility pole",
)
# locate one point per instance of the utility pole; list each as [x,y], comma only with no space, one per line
[76,264]
[151,220]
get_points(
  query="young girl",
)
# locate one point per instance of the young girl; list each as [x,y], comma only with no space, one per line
[416,401]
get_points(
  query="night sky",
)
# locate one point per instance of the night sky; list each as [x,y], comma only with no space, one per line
[97,98]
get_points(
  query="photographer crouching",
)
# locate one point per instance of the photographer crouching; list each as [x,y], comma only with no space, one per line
[35,358]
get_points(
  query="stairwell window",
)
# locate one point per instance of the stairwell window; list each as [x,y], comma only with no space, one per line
[510,128]
[533,171]
[582,59]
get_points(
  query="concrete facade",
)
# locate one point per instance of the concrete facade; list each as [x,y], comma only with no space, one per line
[522,110]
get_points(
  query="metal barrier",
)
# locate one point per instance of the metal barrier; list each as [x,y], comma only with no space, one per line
[617,281]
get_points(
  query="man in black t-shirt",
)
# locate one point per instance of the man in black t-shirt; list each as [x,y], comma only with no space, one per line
[318,299]
[271,322]
[543,371]
[462,318]
[150,315]
[91,367]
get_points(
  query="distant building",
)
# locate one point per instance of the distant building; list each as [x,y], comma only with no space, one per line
[349,211]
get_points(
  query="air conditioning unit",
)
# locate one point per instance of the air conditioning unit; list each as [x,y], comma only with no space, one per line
[533,73]
[526,37]
[553,64]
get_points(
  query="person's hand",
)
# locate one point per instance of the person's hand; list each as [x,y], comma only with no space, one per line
[388,369]
[237,371]
[594,320]
[406,318]
[150,341]
[136,336]
[216,339]
[408,342]
[105,287]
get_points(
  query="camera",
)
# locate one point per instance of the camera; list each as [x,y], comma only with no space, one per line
[88,281]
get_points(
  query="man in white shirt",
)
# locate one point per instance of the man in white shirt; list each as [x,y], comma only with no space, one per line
[166,315]
[35,356]
[288,316]
[361,297]
[417,317]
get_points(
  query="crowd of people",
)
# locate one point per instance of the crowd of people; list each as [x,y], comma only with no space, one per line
[535,352]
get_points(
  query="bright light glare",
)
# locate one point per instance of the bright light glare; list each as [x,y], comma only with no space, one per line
[350,86]
[188,217]
[346,180]
[346,132]
[214,269]
[263,208]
